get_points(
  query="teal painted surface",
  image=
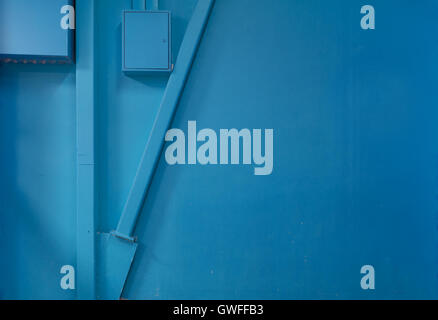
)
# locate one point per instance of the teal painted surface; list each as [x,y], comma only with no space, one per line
[38,147]
[32,30]
[38,179]
[146,41]
[355,177]
[86,202]
[126,107]
[118,248]
[355,173]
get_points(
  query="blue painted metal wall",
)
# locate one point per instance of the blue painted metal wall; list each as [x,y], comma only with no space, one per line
[355,177]
[37,169]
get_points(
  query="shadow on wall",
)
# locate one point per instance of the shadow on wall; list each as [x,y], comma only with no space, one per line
[37,170]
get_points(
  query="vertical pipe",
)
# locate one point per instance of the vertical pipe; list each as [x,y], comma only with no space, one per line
[85,199]
[154,6]
[138,5]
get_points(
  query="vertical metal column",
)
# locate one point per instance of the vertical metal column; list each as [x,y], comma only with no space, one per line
[153,5]
[138,5]
[85,202]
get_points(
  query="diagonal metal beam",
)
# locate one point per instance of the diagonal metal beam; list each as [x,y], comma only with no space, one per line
[163,119]
[117,249]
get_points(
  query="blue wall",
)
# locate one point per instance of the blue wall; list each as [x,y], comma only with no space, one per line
[355,177]
[355,173]
[38,178]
